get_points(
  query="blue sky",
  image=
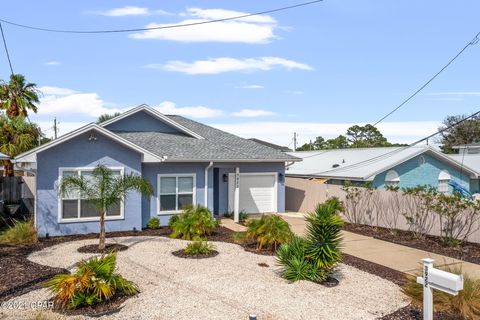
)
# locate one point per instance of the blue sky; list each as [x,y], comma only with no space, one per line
[314,70]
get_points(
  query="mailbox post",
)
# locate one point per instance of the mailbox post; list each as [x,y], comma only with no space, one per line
[436,279]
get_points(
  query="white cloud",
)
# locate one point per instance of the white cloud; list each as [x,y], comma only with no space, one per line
[257,29]
[168,107]
[47,90]
[52,63]
[251,86]
[130,11]
[252,113]
[282,132]
[227,64]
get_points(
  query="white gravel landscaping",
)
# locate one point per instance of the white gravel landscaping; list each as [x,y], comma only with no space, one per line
[228,286]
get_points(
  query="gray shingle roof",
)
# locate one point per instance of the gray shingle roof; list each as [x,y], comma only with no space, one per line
[216,145]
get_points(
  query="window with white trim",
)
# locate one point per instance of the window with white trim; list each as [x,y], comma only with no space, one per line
[175,192]
[392,179]
[75,206]
[443,179]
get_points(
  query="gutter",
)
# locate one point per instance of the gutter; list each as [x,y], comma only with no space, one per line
[206,182]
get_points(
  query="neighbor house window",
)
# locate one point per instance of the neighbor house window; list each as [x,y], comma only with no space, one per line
[443,179]
[392,179]
[74,206]
[175,192]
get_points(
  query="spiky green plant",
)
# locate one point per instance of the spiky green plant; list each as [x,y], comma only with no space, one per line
[195,223]
[22,232]
[94,281]
[324,227]
[153,223]
[198,247]
[269,230]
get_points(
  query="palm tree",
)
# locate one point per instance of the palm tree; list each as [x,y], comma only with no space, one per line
[107,116]
[103,190]
[17,96]
[16,136]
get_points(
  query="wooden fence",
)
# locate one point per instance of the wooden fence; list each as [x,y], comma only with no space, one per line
[302,195]
[18,190]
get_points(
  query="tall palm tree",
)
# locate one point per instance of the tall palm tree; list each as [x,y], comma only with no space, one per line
[103,190]
[16,136]
[17,96]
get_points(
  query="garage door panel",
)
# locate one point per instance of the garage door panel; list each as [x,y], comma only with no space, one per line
[257,192]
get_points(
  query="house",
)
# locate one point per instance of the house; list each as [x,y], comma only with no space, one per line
[471,148]
[186,162]
[272,145]
[393,166]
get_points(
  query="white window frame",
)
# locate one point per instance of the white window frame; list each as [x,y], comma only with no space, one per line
[392,182]
[175,175]
[443,179]
[87,219]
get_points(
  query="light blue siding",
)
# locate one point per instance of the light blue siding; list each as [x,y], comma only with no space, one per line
[80,152]
[413,174]
[141,122]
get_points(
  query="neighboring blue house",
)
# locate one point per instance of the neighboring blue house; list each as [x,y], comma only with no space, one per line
[186,162]
[395,166]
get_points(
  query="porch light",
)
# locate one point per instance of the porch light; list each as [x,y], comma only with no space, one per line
[225,177]
[281,177]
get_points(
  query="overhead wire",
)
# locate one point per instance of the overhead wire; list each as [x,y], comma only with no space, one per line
[6,49]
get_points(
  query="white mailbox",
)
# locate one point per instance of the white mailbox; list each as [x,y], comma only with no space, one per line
[437,279]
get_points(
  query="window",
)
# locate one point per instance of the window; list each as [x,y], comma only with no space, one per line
[175,192]
[443,179]
[73,206]
[392,179]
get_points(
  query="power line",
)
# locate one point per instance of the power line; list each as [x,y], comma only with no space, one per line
[6,49]
[368,161]
[161,27]
[471,43]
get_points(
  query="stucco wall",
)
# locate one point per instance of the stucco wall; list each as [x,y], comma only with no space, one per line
[141,121]
[412,173]
[80,152]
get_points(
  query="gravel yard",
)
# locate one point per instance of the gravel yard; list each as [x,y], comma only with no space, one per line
[230,285]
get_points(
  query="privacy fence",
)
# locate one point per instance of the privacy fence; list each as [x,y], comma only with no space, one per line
[18,190]
[418,211]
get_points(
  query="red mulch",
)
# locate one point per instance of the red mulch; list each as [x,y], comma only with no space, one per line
[467,251]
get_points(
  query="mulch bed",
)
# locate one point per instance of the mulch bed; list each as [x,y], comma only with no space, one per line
[182,254]
[109,247]
[412,312]
[467,251]
[106,308]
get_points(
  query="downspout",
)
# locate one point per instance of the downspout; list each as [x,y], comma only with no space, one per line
[206,182]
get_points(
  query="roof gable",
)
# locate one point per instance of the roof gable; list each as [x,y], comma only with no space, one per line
[146,119]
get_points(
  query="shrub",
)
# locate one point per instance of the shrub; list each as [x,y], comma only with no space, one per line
[198,247]
[239,237]
[94,281]
[360,202]
[153,223]
[194,223]
[242,215]
[466,304]
[22,232]
[269,230]
[314,257]
[419,213]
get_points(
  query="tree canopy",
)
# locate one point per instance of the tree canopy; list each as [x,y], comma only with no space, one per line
[463,133]
[366,136]
[17,97]
[107,116]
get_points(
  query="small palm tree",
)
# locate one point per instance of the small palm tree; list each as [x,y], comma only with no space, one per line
[103,190]
[17,96]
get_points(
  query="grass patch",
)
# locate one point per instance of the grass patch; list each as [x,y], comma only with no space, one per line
[22,232]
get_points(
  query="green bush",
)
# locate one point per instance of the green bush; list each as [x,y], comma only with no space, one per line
[198,247]
[242,215]
[315,256]
[22,232]
[466,304]
[194,223]
[153,223]
[269,230]
[94,281]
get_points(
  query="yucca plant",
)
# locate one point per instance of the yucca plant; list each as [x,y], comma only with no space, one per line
[194,223]
[466,304]
[94,281]
[269,230]
[324,227]
[198,247]
[22,232]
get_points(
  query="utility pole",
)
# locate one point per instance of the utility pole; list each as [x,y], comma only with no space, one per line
[294,141]
[55,128]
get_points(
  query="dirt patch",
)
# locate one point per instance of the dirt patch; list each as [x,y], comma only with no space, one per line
[109,247]
[182,254]
[412,312]
[468,251]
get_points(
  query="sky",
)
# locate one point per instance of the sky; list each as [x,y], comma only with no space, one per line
[313,70]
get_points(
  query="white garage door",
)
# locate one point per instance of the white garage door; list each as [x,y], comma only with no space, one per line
[258,192]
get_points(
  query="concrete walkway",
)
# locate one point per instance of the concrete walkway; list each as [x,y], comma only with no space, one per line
[395,256]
